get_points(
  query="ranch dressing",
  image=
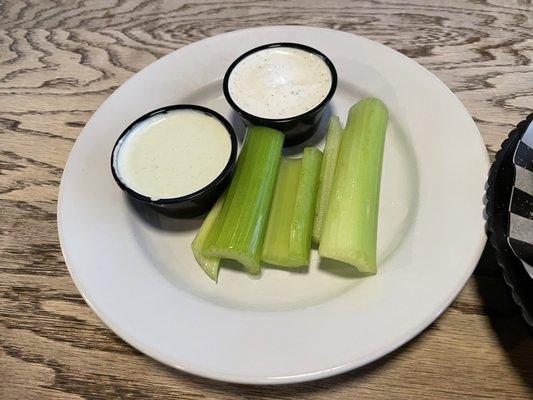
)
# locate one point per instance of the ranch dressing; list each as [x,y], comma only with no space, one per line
[279,82]
[173,154]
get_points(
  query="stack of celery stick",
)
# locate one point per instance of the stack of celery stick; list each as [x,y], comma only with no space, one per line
[276,206]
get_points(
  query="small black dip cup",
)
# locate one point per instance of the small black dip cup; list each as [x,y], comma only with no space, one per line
[299,127]
[192,204]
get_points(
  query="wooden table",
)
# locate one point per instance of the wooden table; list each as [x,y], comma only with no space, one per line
[58,62]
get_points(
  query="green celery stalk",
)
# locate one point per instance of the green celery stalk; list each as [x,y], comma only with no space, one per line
[209,264]
[239,230]
[303,216]
[327,172]
[350,228]
[288,236]
[277,237]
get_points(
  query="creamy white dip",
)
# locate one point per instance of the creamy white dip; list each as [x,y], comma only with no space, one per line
[173,154]
[279,82]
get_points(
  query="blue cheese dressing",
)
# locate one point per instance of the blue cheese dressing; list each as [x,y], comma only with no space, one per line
[173,154]
[279,82]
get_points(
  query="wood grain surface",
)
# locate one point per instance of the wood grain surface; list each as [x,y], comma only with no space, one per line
[60,59]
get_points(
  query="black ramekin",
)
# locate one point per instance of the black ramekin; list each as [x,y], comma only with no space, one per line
[193,204]
[298,128]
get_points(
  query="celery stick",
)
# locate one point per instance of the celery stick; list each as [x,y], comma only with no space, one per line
[349,233]
[209,264]
[239,230]
[277,237]
[329,161]
[303,216]
[288,237]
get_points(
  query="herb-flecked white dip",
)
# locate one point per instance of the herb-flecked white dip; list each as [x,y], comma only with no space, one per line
[173,154]
[279,82]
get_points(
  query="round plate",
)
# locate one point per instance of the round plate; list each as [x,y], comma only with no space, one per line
[136,270]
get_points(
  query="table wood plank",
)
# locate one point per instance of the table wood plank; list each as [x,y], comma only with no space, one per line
[59,60]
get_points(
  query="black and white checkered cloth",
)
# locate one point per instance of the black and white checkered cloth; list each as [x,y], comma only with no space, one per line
[521,206]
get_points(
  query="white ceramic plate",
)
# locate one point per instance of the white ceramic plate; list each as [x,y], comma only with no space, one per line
[136,270]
